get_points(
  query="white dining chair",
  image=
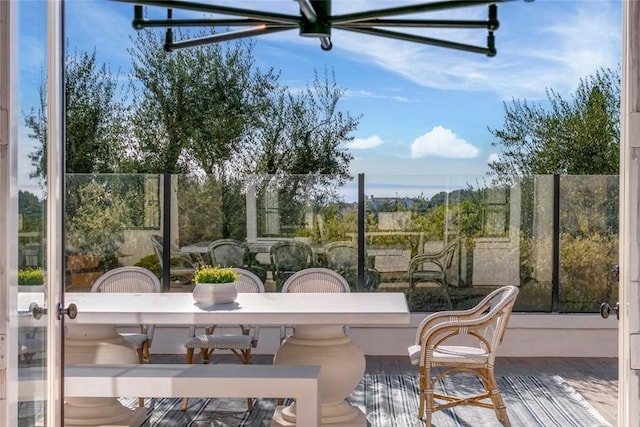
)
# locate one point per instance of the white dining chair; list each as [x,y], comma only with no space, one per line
[240,344]
[132,279]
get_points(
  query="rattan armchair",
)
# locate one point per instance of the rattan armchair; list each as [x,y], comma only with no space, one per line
[433,267]
[240,344]
[437,347]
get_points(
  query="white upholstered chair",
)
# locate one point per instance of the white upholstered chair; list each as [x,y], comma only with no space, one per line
[436,347]
[131,279]
[314,280]
[239,344]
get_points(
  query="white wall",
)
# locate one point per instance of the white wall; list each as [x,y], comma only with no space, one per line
[528,335]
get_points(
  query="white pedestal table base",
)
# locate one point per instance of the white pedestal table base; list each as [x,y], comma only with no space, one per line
[99,344]
[342,368]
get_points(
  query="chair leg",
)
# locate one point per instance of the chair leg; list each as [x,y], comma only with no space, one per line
[140,353]
[496,398]
[185,401]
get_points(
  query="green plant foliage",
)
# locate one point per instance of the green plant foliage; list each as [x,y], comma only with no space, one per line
[151,263]
[97,223]
[576,136]
[31,277]
[209,274]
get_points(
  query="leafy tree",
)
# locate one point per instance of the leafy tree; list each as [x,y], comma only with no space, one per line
[193,107]
[95,113]
[305,133]
[573,136]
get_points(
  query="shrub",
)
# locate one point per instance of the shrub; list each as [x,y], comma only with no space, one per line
[151,263]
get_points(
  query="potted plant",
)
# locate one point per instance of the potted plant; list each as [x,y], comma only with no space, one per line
[214,285]
[31,280]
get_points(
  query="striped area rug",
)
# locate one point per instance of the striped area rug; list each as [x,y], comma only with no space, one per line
[391,401]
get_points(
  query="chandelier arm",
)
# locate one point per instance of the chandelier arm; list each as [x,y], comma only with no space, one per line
[222,37]
[417,23]
[223,10]
[404,10]
[155,23]
[307,10]
[489,51]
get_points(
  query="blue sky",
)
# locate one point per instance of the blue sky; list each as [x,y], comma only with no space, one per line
[425,110]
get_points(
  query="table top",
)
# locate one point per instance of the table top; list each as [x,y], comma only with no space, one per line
[264,309]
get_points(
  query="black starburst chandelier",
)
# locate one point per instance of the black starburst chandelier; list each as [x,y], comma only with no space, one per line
[315,20]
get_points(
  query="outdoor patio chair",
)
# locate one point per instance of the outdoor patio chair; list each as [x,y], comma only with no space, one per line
[288,257]
[314,280]
[433,268]
[234,253]
[182,265]
[437,346]
[131,279]
[343,258]
[239,344]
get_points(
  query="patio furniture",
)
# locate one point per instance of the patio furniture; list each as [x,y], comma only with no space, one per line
[318,337]
[433,267]
[205,381]
[288,257]
[234,253]
[343,258]
[131,280]
[314,280]
[437,346]
[240,344]
[182,265]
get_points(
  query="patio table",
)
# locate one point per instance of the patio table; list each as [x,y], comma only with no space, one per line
[318,338]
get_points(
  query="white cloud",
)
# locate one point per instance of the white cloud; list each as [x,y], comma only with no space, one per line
[493,157]
[364,143]
[366,94]
[572,40]
[441,142]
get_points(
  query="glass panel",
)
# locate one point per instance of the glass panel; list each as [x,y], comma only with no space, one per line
[588,242]
[311,211]
[109,221]
[536,232]
[32,337]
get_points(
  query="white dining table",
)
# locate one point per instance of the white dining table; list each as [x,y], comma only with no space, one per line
[318,338]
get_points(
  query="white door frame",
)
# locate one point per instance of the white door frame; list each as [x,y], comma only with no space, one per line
[55,223]
[8,212]
[629,298]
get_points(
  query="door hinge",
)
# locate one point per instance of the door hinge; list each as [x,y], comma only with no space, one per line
[4,127]
[3,352]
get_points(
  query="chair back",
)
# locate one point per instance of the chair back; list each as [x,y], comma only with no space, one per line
[499,306]
[341,256]
[156,242]
[287,257]
[127,279]
[447,254]
[291,255]
[228,253]
[247,282]
[320,280]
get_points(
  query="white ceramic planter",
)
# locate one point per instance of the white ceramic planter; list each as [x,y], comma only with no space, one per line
[208,294]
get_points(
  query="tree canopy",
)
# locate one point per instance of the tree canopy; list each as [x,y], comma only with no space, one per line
[95,114]
[576,136]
